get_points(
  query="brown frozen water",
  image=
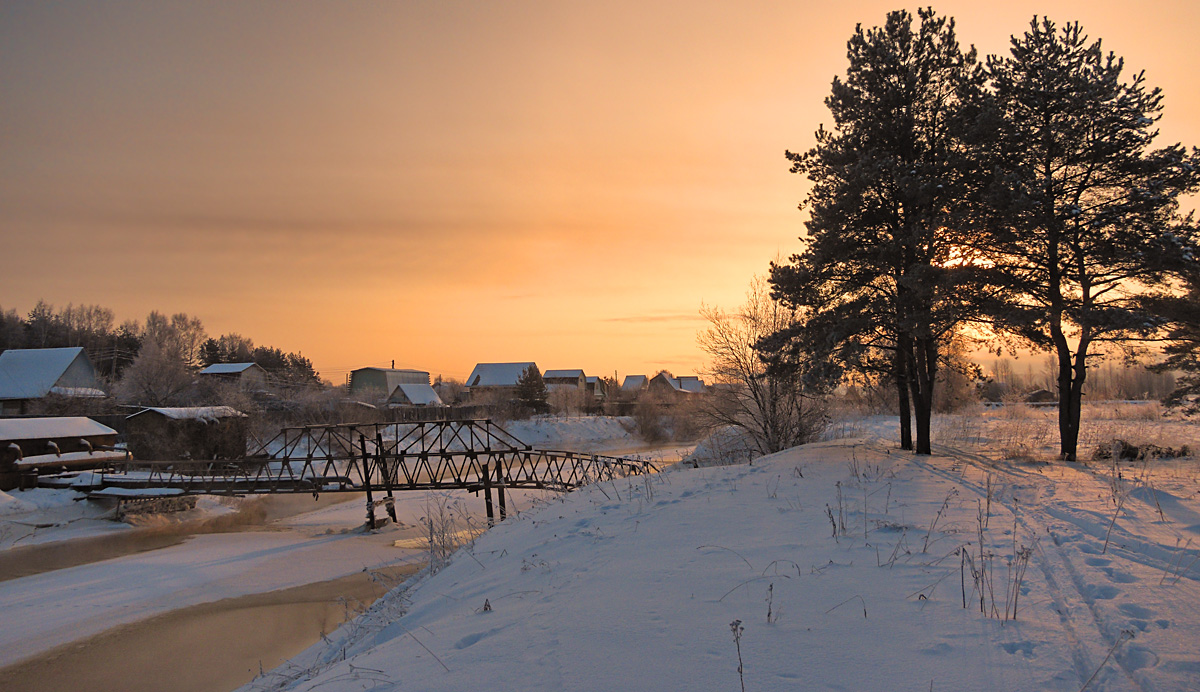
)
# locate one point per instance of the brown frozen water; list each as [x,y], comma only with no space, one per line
[211,647]
[29,560]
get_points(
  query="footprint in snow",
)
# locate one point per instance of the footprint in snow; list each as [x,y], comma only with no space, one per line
[1136,656]
[1103,593]
[1135,611]
[1025,648]
[1120,577]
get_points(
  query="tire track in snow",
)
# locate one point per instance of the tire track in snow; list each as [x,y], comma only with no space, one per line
[1067,601]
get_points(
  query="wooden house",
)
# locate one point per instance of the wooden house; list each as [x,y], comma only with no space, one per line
[495,380]
[248,376]
[31,374]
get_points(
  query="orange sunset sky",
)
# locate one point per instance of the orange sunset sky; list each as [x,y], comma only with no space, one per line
[442,183]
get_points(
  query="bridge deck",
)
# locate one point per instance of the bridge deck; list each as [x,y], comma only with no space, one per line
[474,455]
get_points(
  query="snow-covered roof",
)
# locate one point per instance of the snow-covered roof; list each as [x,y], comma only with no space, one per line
[633,382]
[202,413]
[228,368]
[79,392]
[497,374]
[415,394]
[676,383]
[50,428]
[70,459]
[562,374]
[29,373]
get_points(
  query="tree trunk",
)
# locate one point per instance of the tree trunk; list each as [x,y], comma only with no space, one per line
[922,376]
[902,386]
[1072,371]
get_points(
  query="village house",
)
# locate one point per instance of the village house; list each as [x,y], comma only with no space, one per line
[413,394]
[495,380]
[664,385]
[564,378]
[248,376]
[633,385]
[31,374]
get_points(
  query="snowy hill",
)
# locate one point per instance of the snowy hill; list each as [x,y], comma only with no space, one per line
[848,565]
[560,432]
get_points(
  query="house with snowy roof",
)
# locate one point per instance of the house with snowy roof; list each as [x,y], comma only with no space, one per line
[664,384]
[492,380]
[248,376]
[30,374]
[634,384]
[564,378]
[413,394]
[595,387]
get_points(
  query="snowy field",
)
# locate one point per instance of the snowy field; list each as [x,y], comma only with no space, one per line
[844,565]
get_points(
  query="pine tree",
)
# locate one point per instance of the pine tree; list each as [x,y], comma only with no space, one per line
[1182,352]
[531,390]
[876,276]
[1083,215]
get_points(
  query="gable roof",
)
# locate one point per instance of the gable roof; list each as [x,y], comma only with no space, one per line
[497,374]
[30,373]
[201,413]
[633,382]
[415,394]
[50,428]
[228,368]
[562,374]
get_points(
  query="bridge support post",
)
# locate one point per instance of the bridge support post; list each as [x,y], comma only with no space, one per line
[366,471]
[390,503]
[486,472]
[500,488]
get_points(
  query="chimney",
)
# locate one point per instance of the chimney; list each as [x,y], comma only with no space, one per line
[393,364]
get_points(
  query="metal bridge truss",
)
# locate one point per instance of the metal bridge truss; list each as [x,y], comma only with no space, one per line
[473,455]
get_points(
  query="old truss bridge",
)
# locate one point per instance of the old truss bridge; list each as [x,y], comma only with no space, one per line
[377,459]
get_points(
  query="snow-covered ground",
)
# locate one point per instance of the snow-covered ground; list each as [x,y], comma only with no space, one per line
[575,433]
[70,604]
[43,515]
[843,565]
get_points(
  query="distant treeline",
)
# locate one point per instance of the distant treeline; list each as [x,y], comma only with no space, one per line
[112,348]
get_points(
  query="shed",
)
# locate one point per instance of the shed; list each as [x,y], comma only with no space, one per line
[250,376]
[194,432]
[29,374]
[53,444]
[414,395]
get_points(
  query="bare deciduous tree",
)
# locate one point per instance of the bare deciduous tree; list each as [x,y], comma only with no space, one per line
[775,409]
[155,378]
